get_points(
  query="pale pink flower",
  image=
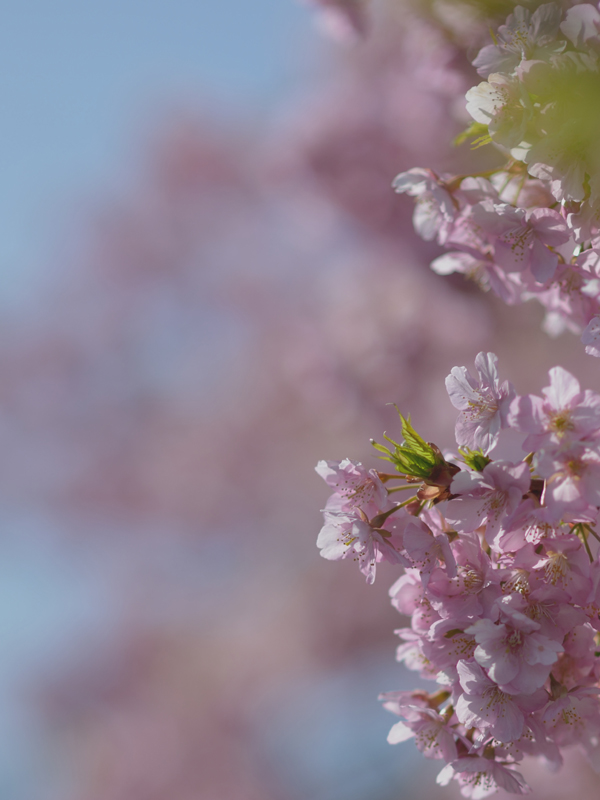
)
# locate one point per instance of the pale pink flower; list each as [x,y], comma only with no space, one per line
[523,237]
[446,643]
[574,718]
[484,404]
[482,270]
[485,706]
[411,654]
[351,535]
[408,597]
[571,298]
[564,563]
[524,36]
[395,701]
[576,666]
[515,655]
[582,25]
[487,497]
[354,485]
[479,777]
[564,414]
[591,606]
[529,523]
[584,223]
[591,337]
[434,208]
[572,476]
[430,730]
[474,587]
[548,605]
[425,549]
[502,103]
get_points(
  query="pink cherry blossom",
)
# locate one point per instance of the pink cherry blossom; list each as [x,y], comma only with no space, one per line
[484,404]
[408,597]
[502,103]
[484,705]
[481,270]
[351,535]
[582,25]
[475,586]
[574,718]
[412,656]
[516,657]
[565,413]
[524,237]
[563,563]
[434,209]
[354,486]
[480,777]
[487,497]
[524,36]
[591,337]
[446,643]
[529,523]
[424,549]
[572,476]
[548,605]
[430,730]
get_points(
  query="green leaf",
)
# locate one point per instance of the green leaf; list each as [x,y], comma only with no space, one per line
[476,131]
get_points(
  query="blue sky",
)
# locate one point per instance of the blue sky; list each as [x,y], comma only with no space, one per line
[80,81]
[81,84]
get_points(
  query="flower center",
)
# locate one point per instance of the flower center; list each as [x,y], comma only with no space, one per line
[561,422]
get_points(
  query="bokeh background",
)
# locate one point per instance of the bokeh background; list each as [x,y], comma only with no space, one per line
[207,286]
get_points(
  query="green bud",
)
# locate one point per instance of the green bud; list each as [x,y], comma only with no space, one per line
[475,459]
[414,457]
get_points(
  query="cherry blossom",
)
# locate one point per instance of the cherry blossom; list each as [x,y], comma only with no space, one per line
[502,104]
[484,403]
[591,337]
[524,237]
[434,209]
[524,36]
[351,535]
[501,580]
[354,485]
[484,705]
[480,777]
[517,658]
[486,498]
[429,729]
[582,25]
[572,477]
[565,414]
[538,107]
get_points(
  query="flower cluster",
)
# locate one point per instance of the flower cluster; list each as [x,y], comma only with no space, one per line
[530,228]
[501,575]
